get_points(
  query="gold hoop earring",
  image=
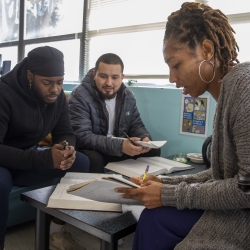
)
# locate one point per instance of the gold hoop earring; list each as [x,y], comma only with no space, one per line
[30,84]
[200,71]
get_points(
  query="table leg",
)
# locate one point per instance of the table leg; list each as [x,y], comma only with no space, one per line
[42,230]
[108,246]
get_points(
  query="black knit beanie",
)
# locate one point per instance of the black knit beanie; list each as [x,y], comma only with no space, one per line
[46,61]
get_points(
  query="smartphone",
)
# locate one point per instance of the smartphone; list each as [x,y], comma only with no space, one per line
[64,144]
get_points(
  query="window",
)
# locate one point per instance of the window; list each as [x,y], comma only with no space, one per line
[26,24]
[106,14]
[9,54]
[9,20]
[57,18]
[138,57]
[239,18]
[134,29]
[230,6]
[243,43]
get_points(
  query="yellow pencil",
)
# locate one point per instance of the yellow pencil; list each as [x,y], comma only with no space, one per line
[145,174]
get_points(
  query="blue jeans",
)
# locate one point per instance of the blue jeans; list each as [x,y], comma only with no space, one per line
[30,177]
[164,227]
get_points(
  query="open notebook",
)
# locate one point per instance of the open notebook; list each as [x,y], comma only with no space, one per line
[60,198]
[157,165]
[102,189]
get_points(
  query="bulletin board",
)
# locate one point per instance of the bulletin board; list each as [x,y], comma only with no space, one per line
[194,115]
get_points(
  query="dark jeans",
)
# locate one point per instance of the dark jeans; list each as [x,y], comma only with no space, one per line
[98,160]
[30,177]
[164,227]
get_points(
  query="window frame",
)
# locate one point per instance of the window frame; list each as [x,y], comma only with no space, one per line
[21,42]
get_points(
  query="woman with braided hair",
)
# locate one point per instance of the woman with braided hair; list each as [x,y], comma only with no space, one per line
[206,210]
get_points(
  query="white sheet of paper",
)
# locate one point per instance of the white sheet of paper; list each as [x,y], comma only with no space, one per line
[73,178]
[103,191]
[149,144]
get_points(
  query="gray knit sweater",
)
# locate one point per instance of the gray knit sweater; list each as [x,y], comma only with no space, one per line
[225,223]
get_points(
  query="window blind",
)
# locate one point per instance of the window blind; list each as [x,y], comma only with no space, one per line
[134,30]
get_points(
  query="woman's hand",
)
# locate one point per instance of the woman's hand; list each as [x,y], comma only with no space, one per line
[149,194]
[139,181]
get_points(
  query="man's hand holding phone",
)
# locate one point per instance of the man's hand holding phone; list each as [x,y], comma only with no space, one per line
[63,155]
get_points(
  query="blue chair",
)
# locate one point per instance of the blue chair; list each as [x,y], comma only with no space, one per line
[20,212]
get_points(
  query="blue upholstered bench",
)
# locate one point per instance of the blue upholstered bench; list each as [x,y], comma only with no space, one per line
[20,212]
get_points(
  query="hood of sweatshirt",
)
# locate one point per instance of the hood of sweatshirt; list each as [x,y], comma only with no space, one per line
[18,81]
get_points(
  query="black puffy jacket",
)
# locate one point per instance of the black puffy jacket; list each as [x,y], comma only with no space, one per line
[90,119]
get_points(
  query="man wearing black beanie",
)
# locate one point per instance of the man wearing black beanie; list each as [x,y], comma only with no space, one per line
[32,105]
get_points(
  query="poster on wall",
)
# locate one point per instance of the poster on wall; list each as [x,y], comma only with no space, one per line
[194,115]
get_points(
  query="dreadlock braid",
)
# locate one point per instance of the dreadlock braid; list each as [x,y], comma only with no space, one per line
[195,22]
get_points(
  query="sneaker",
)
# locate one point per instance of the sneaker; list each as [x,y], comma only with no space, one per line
[63,241]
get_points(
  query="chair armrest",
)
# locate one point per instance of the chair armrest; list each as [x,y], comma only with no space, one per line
[244,183]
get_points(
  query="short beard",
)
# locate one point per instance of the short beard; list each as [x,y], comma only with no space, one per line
[107,96]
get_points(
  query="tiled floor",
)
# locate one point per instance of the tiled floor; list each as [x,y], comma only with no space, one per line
[22,237]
